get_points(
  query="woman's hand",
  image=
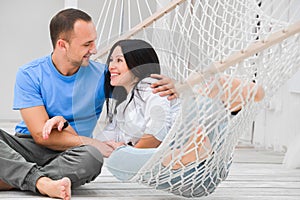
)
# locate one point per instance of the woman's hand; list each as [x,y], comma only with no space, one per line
[54,122]
[114,144]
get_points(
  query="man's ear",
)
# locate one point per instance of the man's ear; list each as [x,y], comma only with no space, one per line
[61,44]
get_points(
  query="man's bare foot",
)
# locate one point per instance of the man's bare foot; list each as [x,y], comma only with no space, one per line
[5,186]
[56,189]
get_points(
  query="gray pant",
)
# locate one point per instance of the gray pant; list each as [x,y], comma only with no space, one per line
[23,162]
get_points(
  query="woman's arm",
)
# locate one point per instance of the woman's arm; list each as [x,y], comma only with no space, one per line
[157,118]
[147,141]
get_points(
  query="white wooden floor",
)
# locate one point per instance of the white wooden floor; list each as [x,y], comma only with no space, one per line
[255,174]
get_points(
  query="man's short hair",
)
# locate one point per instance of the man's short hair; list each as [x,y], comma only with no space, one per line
[62,24]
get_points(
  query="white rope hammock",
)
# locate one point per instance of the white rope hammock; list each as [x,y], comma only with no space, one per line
[197,40]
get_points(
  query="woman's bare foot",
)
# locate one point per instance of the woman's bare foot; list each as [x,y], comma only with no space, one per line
[4,186]
[55,188]
[194,149]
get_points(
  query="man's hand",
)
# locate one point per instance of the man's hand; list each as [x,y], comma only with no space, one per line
[54,122]
[164,86]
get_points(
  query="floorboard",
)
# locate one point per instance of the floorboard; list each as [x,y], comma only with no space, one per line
[255,174]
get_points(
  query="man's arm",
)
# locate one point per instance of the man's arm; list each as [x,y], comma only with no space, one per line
[35,119]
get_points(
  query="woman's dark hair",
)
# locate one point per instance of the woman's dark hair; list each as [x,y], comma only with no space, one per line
[141,60]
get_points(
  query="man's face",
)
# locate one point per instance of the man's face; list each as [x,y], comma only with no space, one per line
[82,44]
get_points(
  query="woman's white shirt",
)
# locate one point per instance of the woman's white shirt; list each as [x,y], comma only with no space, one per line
[147,113]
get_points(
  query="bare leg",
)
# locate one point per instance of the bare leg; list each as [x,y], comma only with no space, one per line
[5,186]
[197,149]
[56,189]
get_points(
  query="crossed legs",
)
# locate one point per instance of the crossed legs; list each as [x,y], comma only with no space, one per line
[46,186]
[27,166]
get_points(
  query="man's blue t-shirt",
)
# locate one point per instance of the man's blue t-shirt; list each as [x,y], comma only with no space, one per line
[78,98]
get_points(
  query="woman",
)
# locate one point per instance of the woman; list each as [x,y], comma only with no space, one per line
[138,117]
[139,120]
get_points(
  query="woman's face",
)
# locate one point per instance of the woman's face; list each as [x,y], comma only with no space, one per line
[120,74]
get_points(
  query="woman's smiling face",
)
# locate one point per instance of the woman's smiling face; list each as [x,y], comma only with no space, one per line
[120,75]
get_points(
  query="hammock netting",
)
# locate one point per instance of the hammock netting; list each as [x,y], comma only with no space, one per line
[199,42]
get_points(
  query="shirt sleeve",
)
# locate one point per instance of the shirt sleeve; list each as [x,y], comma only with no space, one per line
[26,91]
[158,116]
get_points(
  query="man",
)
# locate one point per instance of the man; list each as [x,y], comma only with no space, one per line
[69,84]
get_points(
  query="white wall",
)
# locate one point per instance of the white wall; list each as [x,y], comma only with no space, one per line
[24,35]
[277,126]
